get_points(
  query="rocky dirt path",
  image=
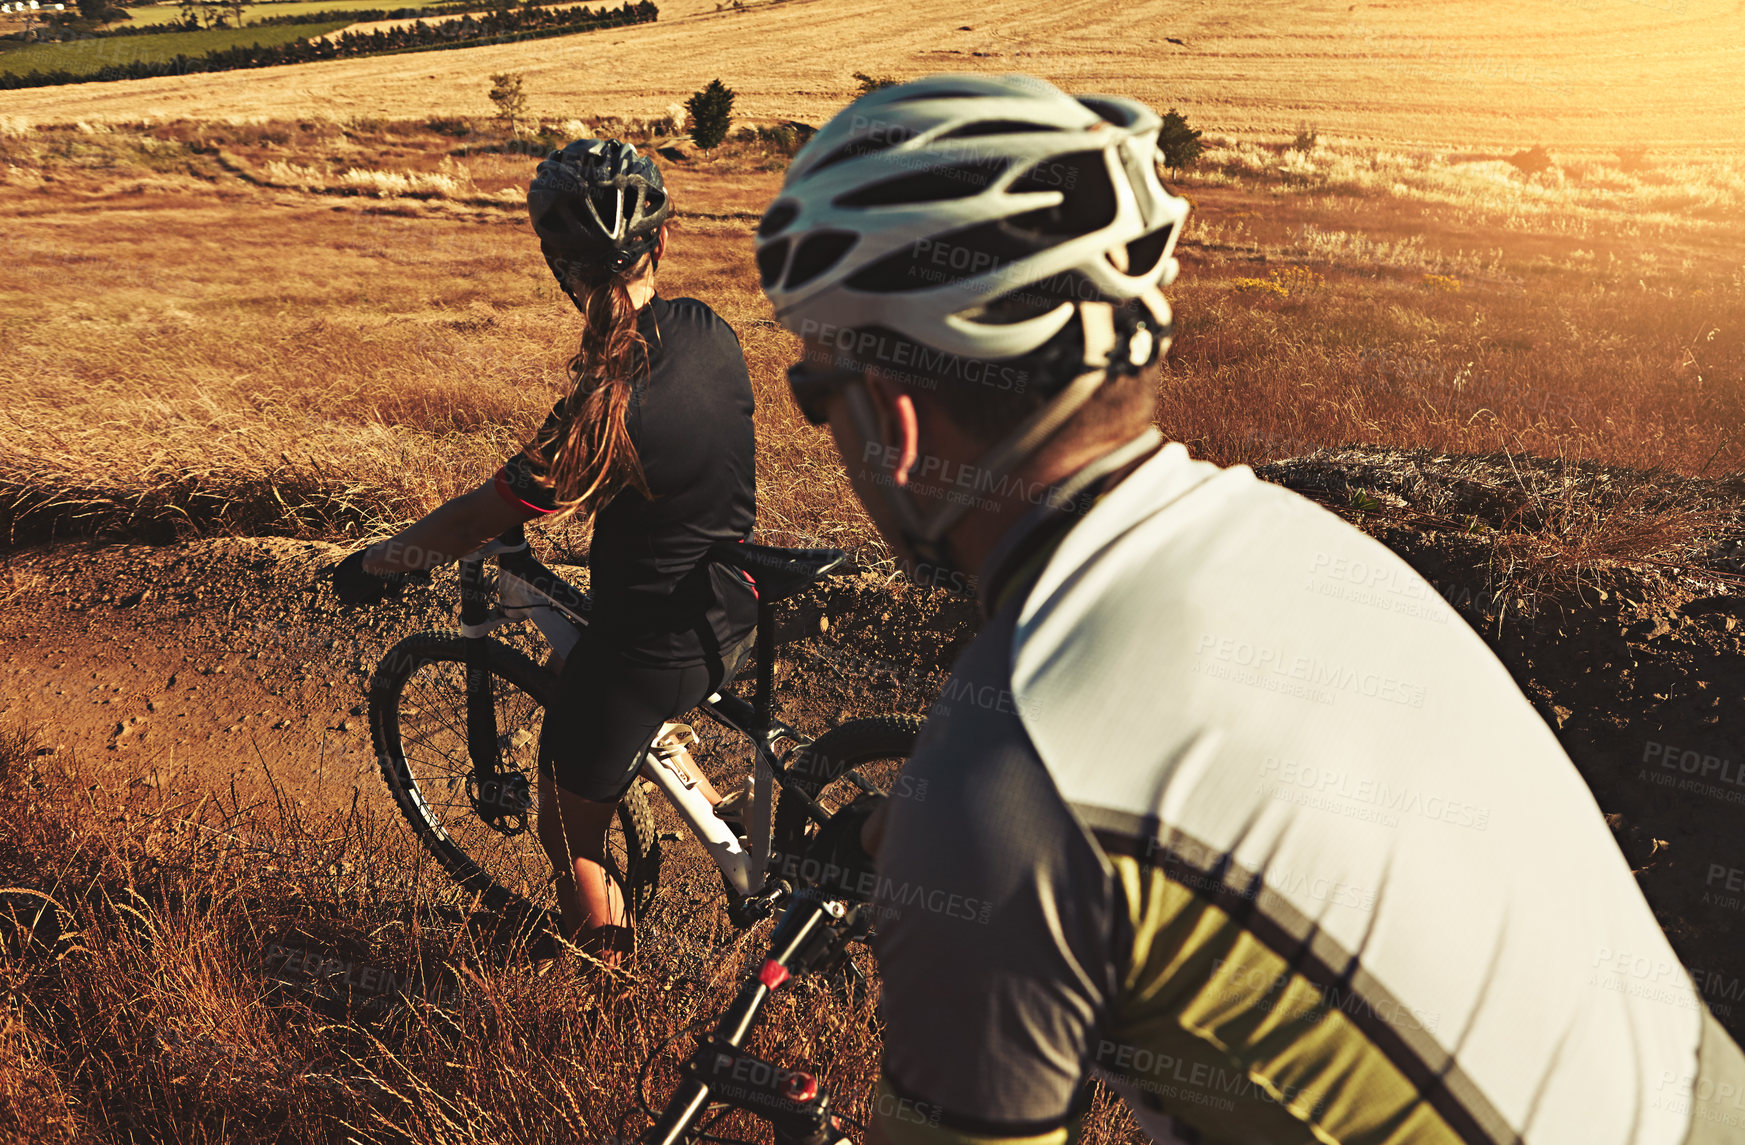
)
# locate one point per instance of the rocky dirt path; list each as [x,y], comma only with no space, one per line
[218,667]
[224,662]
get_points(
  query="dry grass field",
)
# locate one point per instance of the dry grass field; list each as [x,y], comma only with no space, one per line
[1469,72]
[85,57]
[320,328]
[306,303]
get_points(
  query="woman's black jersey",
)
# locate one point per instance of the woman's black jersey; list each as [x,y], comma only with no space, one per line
[657,596]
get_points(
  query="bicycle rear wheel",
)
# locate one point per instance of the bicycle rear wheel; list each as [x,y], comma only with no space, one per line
[462,762]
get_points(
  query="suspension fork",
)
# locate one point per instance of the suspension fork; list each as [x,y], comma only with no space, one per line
[475,610]
[766,664]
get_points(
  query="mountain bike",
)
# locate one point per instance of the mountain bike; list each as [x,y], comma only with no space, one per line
[455,717]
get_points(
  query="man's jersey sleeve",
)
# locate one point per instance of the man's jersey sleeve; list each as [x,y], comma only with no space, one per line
[995,918]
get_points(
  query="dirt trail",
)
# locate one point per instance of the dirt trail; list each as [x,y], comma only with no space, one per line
[197,666]
[210,663]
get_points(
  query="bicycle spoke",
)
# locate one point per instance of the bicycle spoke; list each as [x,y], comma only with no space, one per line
[435,750]
[433,736]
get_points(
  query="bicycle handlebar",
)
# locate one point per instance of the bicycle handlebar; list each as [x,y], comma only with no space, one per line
[790,1100]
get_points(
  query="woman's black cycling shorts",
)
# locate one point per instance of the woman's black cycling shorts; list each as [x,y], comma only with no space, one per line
[607,713]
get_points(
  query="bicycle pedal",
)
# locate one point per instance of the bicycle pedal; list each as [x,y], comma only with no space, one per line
[674,738]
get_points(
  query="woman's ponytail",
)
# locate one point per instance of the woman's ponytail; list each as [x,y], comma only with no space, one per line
[591,459]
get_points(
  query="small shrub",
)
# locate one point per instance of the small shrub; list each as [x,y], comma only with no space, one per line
[454,126]
[711,114]
[506,92]
[387,184]
[1260,286]
[1298,279]
[1531,161]
[1442,282]
[1307,137]
[1178,144]
[869,84]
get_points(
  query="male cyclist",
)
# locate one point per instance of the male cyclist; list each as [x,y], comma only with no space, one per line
[1280,861]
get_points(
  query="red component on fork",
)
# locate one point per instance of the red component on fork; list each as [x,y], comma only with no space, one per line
[800,1088]
[772,974]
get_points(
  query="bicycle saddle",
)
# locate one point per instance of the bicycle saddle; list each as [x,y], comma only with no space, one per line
[780,573]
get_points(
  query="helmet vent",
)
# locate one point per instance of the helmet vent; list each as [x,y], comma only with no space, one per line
[770,261]
[996,127]
[1109,110]
[1034,299]
[946,259]
[958,181]
[817,254]
[861,147]
[605,200]
[776,219]
[1087,195]
[1144,252]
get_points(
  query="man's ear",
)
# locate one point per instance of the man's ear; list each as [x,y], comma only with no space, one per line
[897,421]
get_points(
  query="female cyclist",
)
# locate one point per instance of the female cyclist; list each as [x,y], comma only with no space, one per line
[653,438]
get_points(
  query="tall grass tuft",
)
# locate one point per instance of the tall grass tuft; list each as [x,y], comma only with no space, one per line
[228,973]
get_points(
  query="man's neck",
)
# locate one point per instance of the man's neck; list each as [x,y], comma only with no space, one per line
[977,537]
[641,292]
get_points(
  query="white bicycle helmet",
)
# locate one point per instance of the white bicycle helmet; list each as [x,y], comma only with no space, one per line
[929,208]
[974,217]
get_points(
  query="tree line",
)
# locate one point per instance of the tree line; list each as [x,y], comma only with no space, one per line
[505,25]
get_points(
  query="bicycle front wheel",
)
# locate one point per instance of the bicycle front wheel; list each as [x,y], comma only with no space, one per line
[456,725]
[860,757]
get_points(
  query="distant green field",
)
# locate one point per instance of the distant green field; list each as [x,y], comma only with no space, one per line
[170,13]
[85,56]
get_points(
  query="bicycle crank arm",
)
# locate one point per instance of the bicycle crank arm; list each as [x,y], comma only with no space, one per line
[745,912]
[792,1101]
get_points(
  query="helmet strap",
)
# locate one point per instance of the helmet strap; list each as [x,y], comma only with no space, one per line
[924,535]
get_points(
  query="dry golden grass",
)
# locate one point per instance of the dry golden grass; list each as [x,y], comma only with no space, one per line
[212,327]
[317,328]
[1477,72]
[172,1007]
[320,369]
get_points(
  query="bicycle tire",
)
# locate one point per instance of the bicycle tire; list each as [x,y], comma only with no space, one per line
[819,770]
[472,860]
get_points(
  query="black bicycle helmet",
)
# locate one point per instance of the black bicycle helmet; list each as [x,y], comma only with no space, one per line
[596,202]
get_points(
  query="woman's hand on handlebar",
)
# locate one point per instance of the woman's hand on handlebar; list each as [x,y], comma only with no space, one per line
[459,526]
[353,584]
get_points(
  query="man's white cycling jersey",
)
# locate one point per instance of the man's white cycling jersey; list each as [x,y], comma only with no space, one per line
[1227,806]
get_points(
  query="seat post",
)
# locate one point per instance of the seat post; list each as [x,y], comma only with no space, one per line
[766,663]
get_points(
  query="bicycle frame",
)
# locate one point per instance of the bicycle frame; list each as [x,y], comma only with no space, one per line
[529,591]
